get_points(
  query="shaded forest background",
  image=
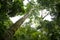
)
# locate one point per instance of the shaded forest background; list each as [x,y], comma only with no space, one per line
[43,30]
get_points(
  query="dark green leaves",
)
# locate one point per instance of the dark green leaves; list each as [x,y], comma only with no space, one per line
[11,7]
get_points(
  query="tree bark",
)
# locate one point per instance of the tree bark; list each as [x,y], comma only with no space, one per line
[10,32]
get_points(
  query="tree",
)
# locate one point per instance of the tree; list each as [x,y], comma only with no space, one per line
[10,32]
[54,7]
[10,8]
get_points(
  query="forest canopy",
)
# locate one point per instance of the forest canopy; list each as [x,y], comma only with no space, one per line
[43,30]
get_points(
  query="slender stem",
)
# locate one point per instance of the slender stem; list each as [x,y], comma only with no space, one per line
[45,15]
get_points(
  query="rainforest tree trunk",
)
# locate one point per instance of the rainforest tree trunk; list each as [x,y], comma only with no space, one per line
[10,32]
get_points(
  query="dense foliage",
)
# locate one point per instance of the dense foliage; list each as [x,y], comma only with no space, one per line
[43,30]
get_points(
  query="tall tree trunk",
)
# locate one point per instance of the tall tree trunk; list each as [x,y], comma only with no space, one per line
[10,32]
